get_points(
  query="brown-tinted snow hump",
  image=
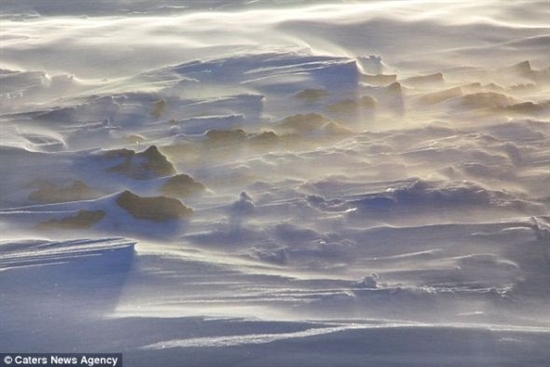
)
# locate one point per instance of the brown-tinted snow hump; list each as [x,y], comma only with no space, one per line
[157,208]
[181,186]
[150,163]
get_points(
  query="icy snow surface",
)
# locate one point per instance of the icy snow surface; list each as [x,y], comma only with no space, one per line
[276,182]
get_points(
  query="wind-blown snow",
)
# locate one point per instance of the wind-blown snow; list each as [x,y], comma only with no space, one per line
[276,183]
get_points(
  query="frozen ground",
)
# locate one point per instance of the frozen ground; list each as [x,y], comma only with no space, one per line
[276,183]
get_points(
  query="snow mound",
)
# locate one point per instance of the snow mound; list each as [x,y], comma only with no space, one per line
[144,165]
[157,209]
[81,220]
[181,186]
[49,193]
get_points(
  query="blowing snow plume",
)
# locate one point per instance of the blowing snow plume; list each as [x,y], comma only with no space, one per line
[276,183]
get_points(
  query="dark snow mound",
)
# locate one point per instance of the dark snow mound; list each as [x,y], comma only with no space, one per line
[157,209]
